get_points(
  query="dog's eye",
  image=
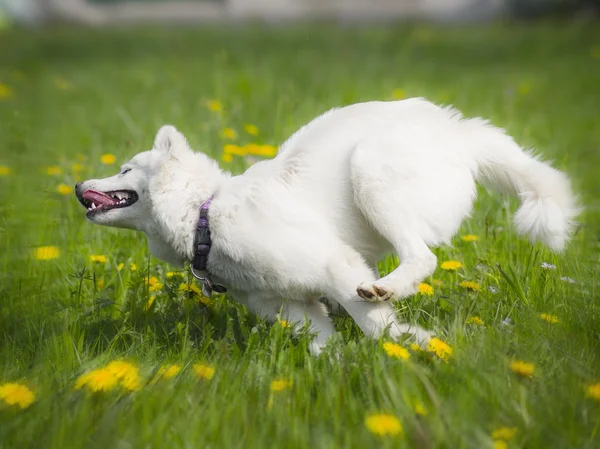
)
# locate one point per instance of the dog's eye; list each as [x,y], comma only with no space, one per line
[127,170]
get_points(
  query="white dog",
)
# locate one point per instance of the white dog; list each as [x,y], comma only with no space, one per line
[354,184]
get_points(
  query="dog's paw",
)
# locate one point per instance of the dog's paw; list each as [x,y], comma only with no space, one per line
[421,337]
[375,292]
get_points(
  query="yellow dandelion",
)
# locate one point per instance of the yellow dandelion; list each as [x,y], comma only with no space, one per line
[419,408]
[4,170]
[521,368]
[97,380]
[214,105]
[17,394]
[98,258]
[62,84]
[172,274]
[524,88]
[155,287]
[100,283]
[190,288]
[415,347]
[284,323]
[382,424]
[108,159]
[398,94]
[204,371]
[64,189]
[469,238]
[126,373]
[500,444]
[440,348]
[132,267]
[169,371]
[425,289]
[53,170]
[46,253]
[77,167]
[281,384]
[475,320]
[451,265]
[593,391]
[232,149]
[120,266]
[5,91]
[153,284]
[470,285]
[227,157]
[251,129]
[423,34]
[261,150]
[229,133]
[396,351]
[149,303]
[552,319]
[504,433]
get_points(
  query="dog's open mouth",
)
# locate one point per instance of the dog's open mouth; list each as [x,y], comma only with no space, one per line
[96,201]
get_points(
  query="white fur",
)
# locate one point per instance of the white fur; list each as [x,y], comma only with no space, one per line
[352,185]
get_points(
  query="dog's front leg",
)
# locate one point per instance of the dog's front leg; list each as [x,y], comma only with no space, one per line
[313,312]
[295,312]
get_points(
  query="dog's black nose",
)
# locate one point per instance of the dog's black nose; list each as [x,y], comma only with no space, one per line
[78,185]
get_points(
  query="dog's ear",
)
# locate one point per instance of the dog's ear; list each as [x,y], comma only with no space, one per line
[170,140]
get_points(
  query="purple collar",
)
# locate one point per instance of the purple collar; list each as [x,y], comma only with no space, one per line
[202,244]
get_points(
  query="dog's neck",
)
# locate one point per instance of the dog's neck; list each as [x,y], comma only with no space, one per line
[177,196]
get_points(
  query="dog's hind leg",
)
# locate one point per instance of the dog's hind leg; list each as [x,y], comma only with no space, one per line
[392,200]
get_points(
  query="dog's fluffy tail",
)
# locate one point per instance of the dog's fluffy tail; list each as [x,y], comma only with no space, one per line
[548,206]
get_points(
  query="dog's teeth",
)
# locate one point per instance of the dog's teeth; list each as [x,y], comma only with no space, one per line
[119,196]
[93,205]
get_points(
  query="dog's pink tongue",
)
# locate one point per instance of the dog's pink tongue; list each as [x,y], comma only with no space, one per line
[99,198]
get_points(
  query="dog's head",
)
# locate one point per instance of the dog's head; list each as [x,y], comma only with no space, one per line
[125,200]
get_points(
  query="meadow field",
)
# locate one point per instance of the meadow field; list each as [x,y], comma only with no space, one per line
[103,346]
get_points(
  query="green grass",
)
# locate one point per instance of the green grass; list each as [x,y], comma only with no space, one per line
[85,93]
